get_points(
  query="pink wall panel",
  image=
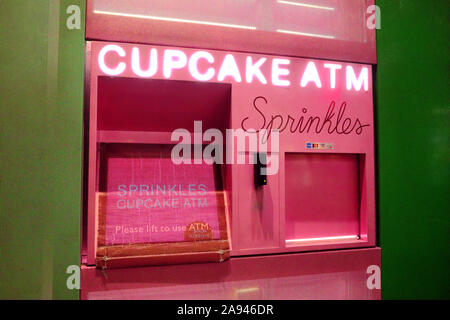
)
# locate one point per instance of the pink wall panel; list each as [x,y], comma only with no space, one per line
[316,275]
[256,223]
[327,29]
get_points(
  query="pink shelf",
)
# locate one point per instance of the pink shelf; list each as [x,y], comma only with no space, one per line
[110,136]
[147,137]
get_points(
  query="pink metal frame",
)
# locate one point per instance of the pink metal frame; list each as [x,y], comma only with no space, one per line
[280,100]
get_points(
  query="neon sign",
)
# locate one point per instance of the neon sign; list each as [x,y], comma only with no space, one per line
[114,60]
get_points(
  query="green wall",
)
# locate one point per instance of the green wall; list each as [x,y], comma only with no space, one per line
[412,110]
[41,103]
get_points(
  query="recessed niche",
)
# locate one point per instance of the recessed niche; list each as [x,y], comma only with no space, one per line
[322,197]
[154,105]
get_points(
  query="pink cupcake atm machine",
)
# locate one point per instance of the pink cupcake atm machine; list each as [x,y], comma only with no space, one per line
[288,215]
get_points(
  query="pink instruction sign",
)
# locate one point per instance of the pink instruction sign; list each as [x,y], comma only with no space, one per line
[152,200]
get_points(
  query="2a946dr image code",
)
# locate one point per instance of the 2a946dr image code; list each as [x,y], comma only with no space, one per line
[246,309]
